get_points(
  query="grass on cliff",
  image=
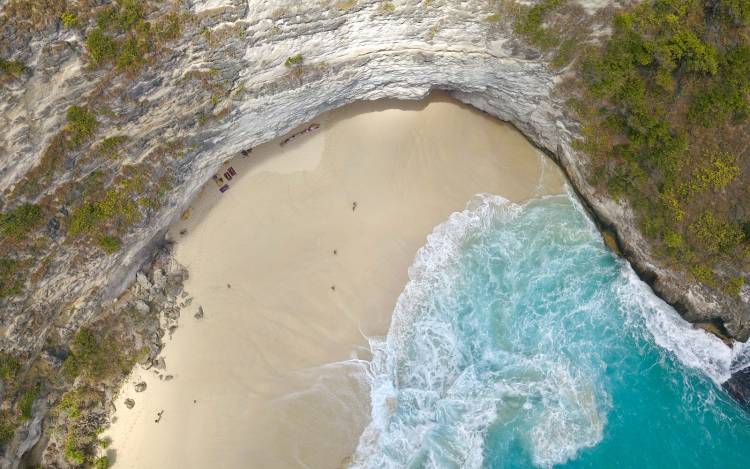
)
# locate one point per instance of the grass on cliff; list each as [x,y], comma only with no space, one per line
[293,60]
[81,126]
[558,27]
[97,355]
[10,367]
[124,37]
[80,427]
[21,221]
[13,68]
[102,216]
[109,244]
[7,428]
[666,122]
[10,283]
[69,20]
[26,402]
[531,24]
[110,146]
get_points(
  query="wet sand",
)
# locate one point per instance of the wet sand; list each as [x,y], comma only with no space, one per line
[297,264]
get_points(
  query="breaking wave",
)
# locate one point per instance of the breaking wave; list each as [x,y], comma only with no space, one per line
[520,340]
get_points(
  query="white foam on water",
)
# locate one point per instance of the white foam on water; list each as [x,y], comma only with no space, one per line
[574,423]
[433,402]
[387,442]
[693,347]
[740,356]
[440,381]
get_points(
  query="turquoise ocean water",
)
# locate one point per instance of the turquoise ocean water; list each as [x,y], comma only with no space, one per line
[520,341]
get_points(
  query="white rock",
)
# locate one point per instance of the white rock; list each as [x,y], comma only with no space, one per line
[160,280]
[143,281]
[142,307]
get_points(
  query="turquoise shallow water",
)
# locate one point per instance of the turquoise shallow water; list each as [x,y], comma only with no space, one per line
[520,341]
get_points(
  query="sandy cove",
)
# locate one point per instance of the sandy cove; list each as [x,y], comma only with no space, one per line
[297,264]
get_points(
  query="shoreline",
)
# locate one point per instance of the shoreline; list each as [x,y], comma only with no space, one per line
[364,215]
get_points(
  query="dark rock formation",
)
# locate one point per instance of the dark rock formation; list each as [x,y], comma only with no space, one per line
[738,386]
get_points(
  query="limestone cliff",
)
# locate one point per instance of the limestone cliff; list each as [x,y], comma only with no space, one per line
[228,83]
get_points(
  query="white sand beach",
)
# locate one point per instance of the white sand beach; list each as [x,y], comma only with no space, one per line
[297,264]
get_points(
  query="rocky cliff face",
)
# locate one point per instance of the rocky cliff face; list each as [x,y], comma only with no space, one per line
[241,73]
[223,86]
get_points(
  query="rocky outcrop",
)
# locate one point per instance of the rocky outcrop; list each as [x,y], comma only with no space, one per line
[133,335]
[224,87]
[738,386]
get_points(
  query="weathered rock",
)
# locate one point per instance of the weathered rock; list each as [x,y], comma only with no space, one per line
[172,313]
[142,307]
[31,431]
[143,281]
[160,364]
[53,359]
[738,386]
[53,225]
[160,280]
[174,288]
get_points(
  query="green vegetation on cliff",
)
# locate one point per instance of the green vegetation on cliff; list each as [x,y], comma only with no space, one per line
[558,26]
[293,60]
[97,355]
[21,221]
[94,357]
[9,367]
[11,67]
[101,47]
[82,124]
[105,214]
[124,37]
[101,463]
[81,192]
[110,146]
[26,402]
[15,415]
[531,24]
[10,283]
[665,111]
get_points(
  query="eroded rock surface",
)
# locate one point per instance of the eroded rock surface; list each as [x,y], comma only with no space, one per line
[246,96]
[224,87]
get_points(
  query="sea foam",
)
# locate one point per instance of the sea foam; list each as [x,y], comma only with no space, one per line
[512,340]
